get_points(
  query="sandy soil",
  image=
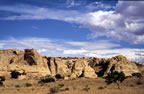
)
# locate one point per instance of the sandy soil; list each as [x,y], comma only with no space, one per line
[78,86]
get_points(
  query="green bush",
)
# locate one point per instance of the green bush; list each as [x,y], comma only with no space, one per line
[138,75]
[2,78]
[58,76]
[15,74]
[47,79]
[1,83]
[86,88]
[139,82]
[66,89]
[28,84]
[54,89]
[100,87]
[17,86]
[115,77]
[60,85]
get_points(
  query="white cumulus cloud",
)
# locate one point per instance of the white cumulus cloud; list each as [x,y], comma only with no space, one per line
[49,47]
[124,22]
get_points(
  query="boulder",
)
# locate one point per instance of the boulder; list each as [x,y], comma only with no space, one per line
[66,78]
[89,72]
[73,76]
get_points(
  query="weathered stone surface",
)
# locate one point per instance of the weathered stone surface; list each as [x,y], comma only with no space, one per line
[66,78]
[79,66]
[73,76]
[52,66]
[89,72]
[61,67]
[29,61]
[140,67]
[117,63]
[122,64]
[34,65]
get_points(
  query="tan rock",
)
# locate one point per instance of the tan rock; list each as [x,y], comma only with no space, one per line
[22,77]
[89,72]
[52,66]
[34,65]
[28,61]
[62,67]
[79,66]
[66,78]
[73,76]
[122,64]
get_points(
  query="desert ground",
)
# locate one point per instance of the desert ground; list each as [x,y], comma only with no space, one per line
[130,85]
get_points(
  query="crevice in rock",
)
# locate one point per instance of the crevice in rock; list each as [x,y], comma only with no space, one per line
[104,67]
[11,61]
[14,52]
[29,59]
[56,66]
[112,68]
[73,67]
[49,63]
[82,74]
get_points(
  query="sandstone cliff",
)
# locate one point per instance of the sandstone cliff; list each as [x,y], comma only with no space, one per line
[30,64]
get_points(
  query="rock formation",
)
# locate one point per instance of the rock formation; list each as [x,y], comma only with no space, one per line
[121,63]
[30,64]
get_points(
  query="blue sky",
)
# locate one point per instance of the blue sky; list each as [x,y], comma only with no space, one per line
[91,28]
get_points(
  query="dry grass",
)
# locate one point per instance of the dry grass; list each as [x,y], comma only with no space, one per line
[129,86]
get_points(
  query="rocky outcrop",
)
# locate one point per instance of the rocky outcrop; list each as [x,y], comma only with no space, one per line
[122,64]
[29,63]
[79,66]
[99,65]
[117,63]
[140,67]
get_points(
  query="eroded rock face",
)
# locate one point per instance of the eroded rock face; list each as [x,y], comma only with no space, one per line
[35,65]
[89,72]
[29,61]
[61,67]
[79,66]
[122,64]
[140,67]
[100,65]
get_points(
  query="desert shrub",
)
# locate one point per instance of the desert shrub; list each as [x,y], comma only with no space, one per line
[58,76]
[139,82]
[28,84]
[54,89]
[17,86]
[1,83]
[66,88]
[32,89]
[115,77]
[86,88]
[15,74]
[100,87]
[60,85]
[74,88]
[138,75]
[47,79]
[2,78]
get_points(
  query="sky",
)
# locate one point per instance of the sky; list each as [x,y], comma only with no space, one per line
[83,28]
